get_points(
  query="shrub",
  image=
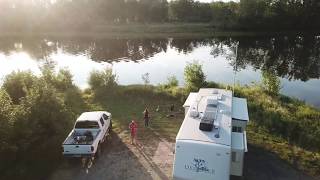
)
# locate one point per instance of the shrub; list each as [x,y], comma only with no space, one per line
[42,123]
[102,80]
[172,81]
[17,83]
[271,83]
[7,149]
[44,111]
[63,80]
[145,78]
[194,77]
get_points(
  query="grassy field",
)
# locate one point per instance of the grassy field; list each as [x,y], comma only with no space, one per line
[129,102]
[285,127]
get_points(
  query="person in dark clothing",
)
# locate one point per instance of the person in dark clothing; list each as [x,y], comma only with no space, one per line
[146,117]
[172,107]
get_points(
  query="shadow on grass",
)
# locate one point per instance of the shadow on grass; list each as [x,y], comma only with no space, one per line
[264,165]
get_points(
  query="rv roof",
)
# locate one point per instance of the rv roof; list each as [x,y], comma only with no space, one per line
[240,109]
[189,129]
[191,99]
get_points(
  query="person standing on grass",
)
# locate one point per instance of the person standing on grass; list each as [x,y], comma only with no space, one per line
[133,126]
[146,117]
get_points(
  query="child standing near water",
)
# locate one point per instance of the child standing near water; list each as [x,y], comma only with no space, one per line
[133,126]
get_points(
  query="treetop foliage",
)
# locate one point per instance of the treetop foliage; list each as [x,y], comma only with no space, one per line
[246,14]
[194,77]
[36,113]
[104,80]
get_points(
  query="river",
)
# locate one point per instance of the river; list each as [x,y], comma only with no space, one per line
[293,58]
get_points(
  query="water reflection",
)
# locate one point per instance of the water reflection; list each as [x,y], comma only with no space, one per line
[107,50]
[292,57]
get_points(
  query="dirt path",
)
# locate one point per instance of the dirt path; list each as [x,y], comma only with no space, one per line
[121,160]
[152,158]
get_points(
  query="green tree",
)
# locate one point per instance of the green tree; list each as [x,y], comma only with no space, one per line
[64,80]
[224,15]
[181,10]
[7,118]
[45,109]
[43,121]
[271,83]
[194,77]
[172,81]
[145,78]
[103,80]
[17,83]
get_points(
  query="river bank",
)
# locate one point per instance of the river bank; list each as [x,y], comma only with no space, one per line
[50,103]
[142,30]
[270,116]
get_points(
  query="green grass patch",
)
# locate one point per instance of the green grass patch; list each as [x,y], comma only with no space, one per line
[285,126]
[307,161]
[129,102]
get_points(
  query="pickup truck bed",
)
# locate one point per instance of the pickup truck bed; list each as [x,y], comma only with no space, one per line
[80,138]
[78,143]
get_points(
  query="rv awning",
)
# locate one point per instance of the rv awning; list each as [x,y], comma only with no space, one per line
[240,109]
[191,99]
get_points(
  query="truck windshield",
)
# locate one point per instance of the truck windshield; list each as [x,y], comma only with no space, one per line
[87,125]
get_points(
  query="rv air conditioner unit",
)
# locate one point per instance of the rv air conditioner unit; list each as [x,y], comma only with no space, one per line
[206,125]
[212,101]
[207,120]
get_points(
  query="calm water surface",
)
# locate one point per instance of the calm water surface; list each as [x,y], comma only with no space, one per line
[295,59]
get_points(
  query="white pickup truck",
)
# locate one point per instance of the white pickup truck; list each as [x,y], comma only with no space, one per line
[90,131]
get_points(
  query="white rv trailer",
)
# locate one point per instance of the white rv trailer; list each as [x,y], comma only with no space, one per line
[211,141]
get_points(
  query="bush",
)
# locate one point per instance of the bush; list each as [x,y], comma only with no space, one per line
[63,80]
[103,80]
[172,81]
[7,149]
[44,111]
[17,83]
[271,83]
[146,79]
[42,123]
[194,77]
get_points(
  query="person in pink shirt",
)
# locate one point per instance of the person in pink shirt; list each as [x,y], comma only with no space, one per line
[133,126]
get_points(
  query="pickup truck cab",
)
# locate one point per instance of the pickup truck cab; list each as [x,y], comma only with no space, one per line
[90,131]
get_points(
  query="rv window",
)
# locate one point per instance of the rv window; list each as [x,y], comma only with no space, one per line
[234,156]
[236,129]
[101,121]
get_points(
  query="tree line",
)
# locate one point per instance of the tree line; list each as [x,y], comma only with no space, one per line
[246,14]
